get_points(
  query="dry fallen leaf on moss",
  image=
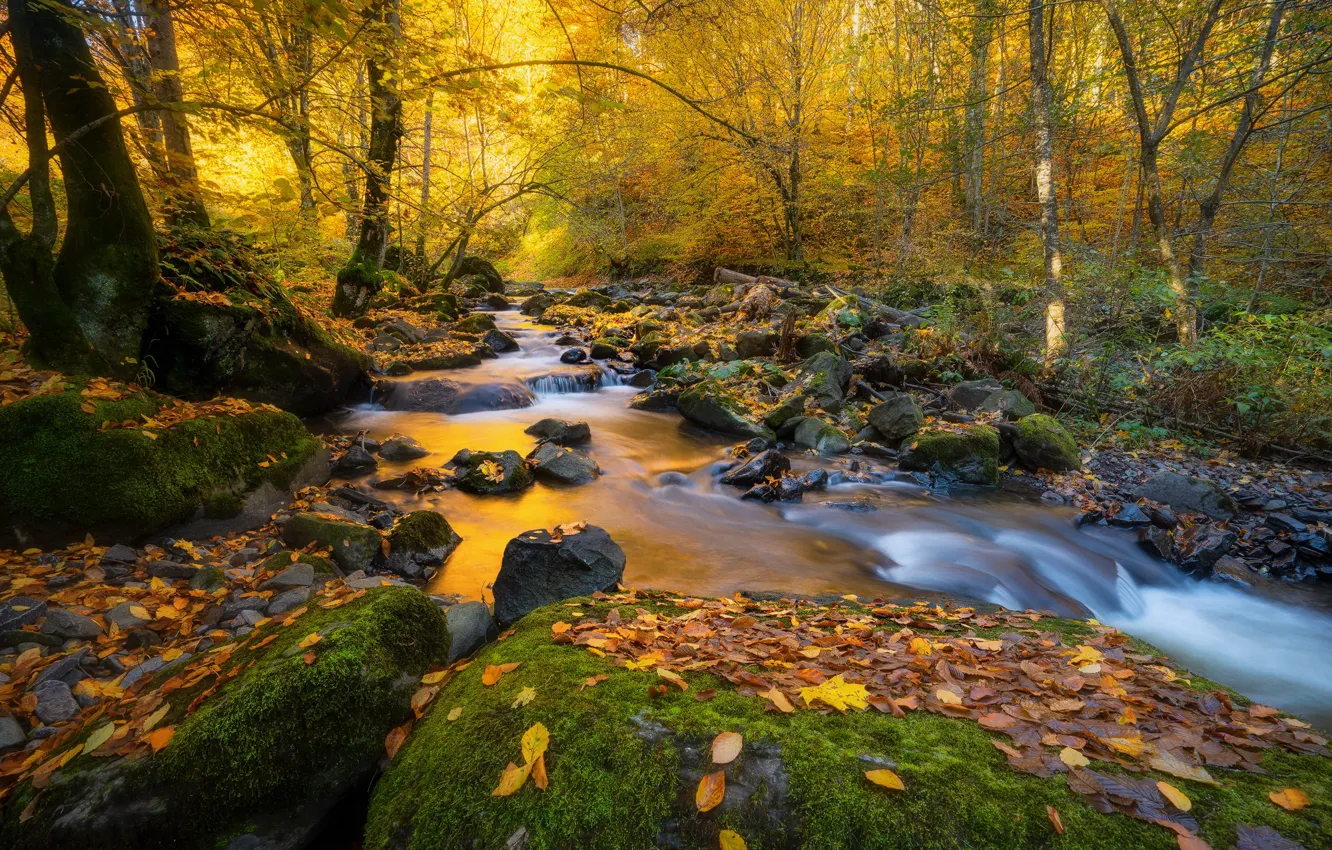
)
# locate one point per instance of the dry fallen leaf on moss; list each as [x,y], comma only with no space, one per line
[535,741]
[434,678]
[711,790]
[511,780]
[1289,799]
[1177,798]
[838,693]
[1073,758]
[161,737]
[455,713]
[673,677]
[539,773]
[396,737]
[493,672]
[525,696]
[310,640]
[885,778]
[726,747]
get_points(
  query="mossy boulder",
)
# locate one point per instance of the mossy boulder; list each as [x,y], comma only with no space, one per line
[324,569]
[537,304]
[419,540]
[354,545]
[588,298]
[792,407]
[623,765]
[270,752]
[813,343]
[486,273]
[477,323]
[825,376]
[1042,443]
[62,476]
[490,473]
[709,405]
[821,436]
[1011,403]
[970,456]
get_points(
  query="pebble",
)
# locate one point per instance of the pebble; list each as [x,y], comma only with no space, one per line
[67,624]
[55,702]
[124,618]
[11,733]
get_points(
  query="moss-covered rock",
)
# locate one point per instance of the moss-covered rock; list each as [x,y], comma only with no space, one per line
[825,377]
[476,323]
[970,456]
[354,545]
[420,539]
[62,476]
[489,473]
[708,405]
[792,407]
[897,418]
[270,751]
[623,765]
[821,436]
[588,298]
[1042,443]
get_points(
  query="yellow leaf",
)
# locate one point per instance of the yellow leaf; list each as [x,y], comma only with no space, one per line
[493,672]
[947,697]
[560,628]
[731,841]
[837,693]
[155,718]
[1289,799]
[535,741]
[673,677]
[99,737]
[455,713]
[525,696]
[920,646]
[492,470]
[310,640]
[1086,655]
[885,778]
[711,791]
[1133,747]
[1167,763]
[140,612]
[726,747]
[1177,798]
[434,678]
[513,779]
[779,701]
[1073,758]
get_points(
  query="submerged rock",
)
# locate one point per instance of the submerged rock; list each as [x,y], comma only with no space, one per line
[970,456]
[709,405]
[539,569]
[441,395]
[760,467]
[402,447]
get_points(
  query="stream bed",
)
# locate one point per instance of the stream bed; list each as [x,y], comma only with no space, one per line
[660,499]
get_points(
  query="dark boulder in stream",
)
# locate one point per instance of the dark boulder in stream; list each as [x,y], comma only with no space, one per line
[560,431]
[563,465]
[402,447]
[441,395]
[540,568]
[760,467]
[710,405]
[489,473]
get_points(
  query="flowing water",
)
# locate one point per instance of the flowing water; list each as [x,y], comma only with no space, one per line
[659,498]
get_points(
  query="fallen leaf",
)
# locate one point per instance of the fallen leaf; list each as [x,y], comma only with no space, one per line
[1168,763]
[535,741]
[103,734]
[711,790]
[308,658]
[726,747]
[395,739]
[1053,814]
[947,697]
[560,628]
[1289,799]
[539,773]
[161,737]
[512,779]
[837,693]
[673,677]
[593,681]
[1191,842]
[885,778]
[434,678]
[1073,758]
[920,646]
[454,713]
[731,841]
[525,696]
[996,720]
[493,672]
[1177,798]
[310,640]
[780,702]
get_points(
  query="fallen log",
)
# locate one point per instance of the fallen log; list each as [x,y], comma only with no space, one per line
[743,282]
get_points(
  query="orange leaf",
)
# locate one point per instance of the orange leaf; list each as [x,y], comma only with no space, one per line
[308,658]
[1289,799]
[539,773]
[886,779]
[673,677]
[711,791]
[1053,814]
[997,720]
[726,747]
[161,737]
[310,640]
[560,628]
[493,672]
[780,702]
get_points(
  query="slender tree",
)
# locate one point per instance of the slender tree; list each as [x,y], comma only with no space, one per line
[1055,331]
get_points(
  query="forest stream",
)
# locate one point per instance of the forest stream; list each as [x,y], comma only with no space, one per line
[660,498]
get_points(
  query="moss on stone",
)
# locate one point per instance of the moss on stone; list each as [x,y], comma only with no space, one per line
[61,476]
[1042,443]
[615,754]
[971,455]
[422,531]
[281,734]
[323,568]
[475,323]
[354,545]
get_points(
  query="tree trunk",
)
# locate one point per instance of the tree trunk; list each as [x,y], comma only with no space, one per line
[425,189]
[107,266]
[974,135]
[1055,332]
[1186,314]
[360,279]
[138,73]
[184,198]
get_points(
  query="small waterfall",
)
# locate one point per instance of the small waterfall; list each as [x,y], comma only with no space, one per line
[577,382]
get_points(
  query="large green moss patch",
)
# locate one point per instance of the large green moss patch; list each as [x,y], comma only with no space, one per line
[623,765]
[62,476]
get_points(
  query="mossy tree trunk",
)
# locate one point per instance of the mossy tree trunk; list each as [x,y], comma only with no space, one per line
[360,278]
[185,198]
[87,307]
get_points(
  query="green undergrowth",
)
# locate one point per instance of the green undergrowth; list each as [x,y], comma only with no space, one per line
[616,755]
[280,734]
[62,476]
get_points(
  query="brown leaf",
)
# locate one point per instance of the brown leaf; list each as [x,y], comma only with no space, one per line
[996,721]
[397,736]
[711,790]
[539,773]
[726,747]
[1053,814]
